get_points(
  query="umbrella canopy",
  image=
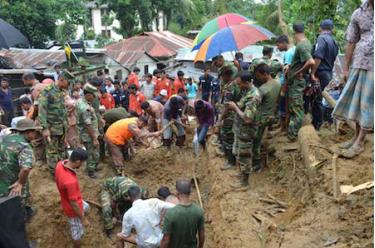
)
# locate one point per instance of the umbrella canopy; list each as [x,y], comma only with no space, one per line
[10,36]
[233,38]
[216,24]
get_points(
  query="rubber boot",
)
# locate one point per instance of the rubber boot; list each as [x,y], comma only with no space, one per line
[242,183]
[257,165]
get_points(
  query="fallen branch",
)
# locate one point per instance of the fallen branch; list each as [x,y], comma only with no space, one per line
[94,203]
[198,191]
[349,189]
[334,175]
[281,203]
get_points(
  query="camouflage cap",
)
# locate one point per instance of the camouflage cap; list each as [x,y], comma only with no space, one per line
[90,88]
[25,125]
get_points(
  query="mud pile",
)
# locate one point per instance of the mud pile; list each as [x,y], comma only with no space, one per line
[288,205]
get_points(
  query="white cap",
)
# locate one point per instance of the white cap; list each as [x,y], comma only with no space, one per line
[163,92]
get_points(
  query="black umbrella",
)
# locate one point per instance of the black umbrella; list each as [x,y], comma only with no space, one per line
[10,36]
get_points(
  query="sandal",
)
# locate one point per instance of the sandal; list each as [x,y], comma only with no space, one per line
[352,151]
[346,145]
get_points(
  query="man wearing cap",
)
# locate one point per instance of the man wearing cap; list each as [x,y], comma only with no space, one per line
[53,120]
[135,99]
[87,124]
[325,53]
[162,97]
[113,196]
[302,61]
[245,125]
[16,157]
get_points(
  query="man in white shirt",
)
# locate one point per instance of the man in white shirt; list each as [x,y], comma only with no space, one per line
[147,87]
[145,217]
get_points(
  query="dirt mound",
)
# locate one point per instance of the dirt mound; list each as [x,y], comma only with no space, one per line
[288,205]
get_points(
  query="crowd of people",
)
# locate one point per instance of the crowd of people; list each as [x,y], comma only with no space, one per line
[65,124]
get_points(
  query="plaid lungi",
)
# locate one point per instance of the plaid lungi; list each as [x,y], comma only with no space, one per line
[356,102]
[76,226]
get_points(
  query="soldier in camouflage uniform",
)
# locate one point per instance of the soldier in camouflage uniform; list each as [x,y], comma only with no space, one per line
[230,92]
[115,192]
[302,61]
[96,105]
[275,66]
[87,124]
[53,120]
[245,125]
[219,62]
[269,91]
[16,155]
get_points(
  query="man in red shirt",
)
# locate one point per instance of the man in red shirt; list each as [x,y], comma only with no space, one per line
[71,198]
[179,83]
[133,77]
[136,98]
[162,83]
[106,99]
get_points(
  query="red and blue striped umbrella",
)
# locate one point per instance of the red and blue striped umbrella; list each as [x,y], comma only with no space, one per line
[233,38]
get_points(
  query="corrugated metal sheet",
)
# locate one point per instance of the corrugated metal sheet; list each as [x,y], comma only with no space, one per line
[33,58]
[155,44]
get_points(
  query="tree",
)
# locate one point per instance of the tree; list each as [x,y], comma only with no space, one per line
[34,18]
[69,13]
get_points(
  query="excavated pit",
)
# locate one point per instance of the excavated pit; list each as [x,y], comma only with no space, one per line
[288,204]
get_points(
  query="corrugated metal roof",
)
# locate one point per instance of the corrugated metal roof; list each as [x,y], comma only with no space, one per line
[33,58]
[162,44]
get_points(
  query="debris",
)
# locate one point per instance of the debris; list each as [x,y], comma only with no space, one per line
[334,175]
[330,242]
[94,203]
[349,189]
[308,138]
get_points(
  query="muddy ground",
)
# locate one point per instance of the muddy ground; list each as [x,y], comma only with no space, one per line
[288,205]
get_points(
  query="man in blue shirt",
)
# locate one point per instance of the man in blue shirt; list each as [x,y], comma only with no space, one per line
[282,44]
[6,104]
[205,84]
[325,53]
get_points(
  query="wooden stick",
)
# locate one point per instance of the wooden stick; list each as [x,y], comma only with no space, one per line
[93,203]
[162,130]
[334,182]
[198,191]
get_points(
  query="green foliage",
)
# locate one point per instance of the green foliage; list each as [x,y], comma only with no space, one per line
[65,32]
[102,41]
[34,18]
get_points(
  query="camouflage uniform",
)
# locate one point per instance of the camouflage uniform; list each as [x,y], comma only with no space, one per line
[244,133]
[296,88]
[231,92]
[86,117]
[226,65]
[15,153]
[114,190]
[269,92]
[53,116]
[274,64]
[96,104]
